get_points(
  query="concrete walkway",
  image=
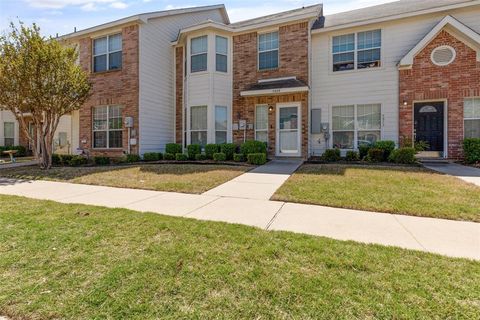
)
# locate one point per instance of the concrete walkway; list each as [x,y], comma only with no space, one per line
[260,183]
[468,174]
[451,238]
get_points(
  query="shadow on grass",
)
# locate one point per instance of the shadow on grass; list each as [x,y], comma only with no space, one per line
[341,169]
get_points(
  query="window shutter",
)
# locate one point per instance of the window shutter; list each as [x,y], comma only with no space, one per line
[316,121]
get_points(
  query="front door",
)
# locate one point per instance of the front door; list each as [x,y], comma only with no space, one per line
[288,130]
[429,124]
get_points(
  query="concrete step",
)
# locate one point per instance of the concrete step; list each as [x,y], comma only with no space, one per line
[433,160]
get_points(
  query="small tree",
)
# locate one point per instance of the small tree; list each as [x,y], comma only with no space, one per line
[39,79]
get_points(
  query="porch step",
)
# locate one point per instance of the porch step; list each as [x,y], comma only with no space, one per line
[433,160]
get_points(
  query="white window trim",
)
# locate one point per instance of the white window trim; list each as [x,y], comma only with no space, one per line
[107,53]
[190,130]
[197,54]
[277,49]
[255,123]
[356,50]
[222,54]
[107,130]
[464,118]
[355,125]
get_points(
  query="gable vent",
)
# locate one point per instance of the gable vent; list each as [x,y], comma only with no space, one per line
[443,55]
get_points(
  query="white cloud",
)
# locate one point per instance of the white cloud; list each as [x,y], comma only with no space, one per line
[89,7]
[118,5]
[173,7]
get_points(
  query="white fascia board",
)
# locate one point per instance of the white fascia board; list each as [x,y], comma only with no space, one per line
[407,60]
[202,26]
[396,17]
[252,93]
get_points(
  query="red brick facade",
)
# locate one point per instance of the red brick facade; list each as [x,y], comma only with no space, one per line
[179,72]
[118,87]
[293,61]
[453,83]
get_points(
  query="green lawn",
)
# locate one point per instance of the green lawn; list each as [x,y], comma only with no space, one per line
[403,190]
[84,262]
[186,178]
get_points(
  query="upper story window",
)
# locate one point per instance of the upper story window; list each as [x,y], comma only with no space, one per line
[363,53]
[198,48]
[221,49]
[268,51]
[107,53]
[471,110]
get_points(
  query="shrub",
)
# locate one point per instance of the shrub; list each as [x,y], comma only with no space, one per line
[257,158]
[173,148]
[152,156]
[352,156]
[363,150]
[238,157]
[21,150]
[253,146]
[101,160]
[405,155]
[331,155]
[375,155]
[210,149]
[169,156]
[200,157]
[56,159]
[229,149]
[219,156]
[387,146]
[181,157]
[65,159]
[132,158]
[421,146]
[77,160]
[471,150]
[193,150]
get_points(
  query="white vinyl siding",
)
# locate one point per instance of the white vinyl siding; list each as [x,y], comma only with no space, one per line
[198,125]
[268,51]
[360,50]
[261,123]
[107,53]
[472,117]
[199,54]
[221,54]
[107,127]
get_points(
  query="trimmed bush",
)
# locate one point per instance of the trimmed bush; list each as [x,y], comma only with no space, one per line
[471,150]
[169,156]
[56,159]
[405,155]
[173,148]
[132,158]
[219,156]
[387,146]
[21,150]
[331,155]
[257,158]
[253,146]
[200,157]
[352,156]
[65,159]
[181,157]
[229,149]
[238,157]
[152,156]
[77,160]
[101,160]
[363,150]
[375,155]
[210,149]
[193,150]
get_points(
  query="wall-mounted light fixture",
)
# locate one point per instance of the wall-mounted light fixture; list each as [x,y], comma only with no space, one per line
[270,108]
[405,102]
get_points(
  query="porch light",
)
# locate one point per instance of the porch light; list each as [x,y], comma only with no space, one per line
[404,102]
[270,109]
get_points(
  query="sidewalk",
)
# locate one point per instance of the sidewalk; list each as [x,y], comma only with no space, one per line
[468,174]
[451,238]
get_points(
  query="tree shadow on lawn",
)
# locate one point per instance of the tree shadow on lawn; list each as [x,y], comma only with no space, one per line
[341,169]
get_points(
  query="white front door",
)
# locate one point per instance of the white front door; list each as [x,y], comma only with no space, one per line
[288,130]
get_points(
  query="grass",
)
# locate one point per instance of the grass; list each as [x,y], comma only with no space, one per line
[401,190]
[186,178]
[85,262]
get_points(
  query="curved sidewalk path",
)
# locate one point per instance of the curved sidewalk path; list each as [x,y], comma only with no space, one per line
[244,200]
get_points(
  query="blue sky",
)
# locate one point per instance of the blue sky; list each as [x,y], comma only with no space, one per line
[61,16]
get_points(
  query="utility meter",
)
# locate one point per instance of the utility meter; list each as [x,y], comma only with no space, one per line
[128,121]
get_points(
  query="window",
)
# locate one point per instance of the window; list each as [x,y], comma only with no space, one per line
[220,124]
[107,127]
[8,134]
[261,123]
[344,52]
[198,125]
[356,125]
[365,54]
[471,111]
[107,53]
[221,49]
[368,53]
[199,48]
[268,51]
[62,139]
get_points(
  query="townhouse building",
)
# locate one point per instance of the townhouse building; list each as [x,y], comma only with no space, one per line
[299,80]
